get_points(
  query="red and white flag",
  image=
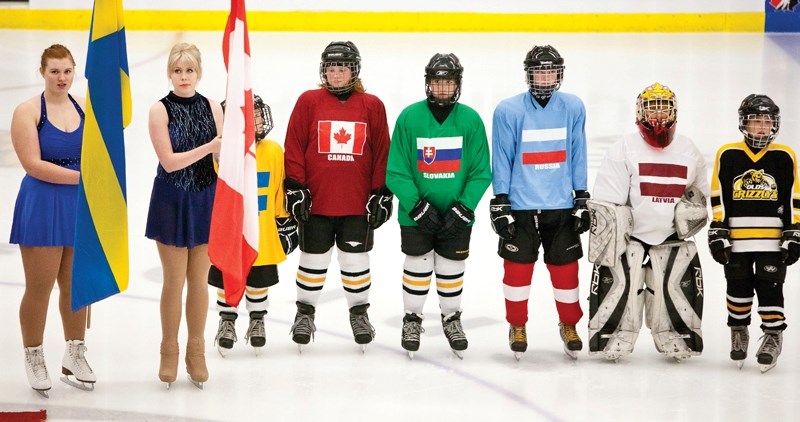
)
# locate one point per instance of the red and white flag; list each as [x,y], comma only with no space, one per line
[342,137]
[233,242]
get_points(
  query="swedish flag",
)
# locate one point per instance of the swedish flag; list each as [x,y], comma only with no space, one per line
[100,267]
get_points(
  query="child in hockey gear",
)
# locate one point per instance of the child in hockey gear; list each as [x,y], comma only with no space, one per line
[539,177]
[336,145]
[277,239]
[184,130]
[649,198]
[756,226]
[439,170]
[44,214]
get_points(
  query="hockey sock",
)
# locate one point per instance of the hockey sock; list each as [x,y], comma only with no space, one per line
[417,274]
[256,299]
[222,306]
[449,283]
[565,292]
[356,279]
[311,276]
[770,304]
[517,290]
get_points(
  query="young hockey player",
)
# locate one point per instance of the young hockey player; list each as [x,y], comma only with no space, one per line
[755,232]
[539,180]
[277,238]
[649,197]
[336,146]
[439,169]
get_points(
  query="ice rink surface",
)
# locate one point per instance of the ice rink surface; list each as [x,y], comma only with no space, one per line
[332,380]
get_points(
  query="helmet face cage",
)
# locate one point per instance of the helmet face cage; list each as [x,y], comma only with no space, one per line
[340,53]
[656,114]
[759,108]
[263,116]
[443,67]
[544,71]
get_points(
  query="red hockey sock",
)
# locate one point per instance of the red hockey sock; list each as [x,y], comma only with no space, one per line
[517,289]
[565,292]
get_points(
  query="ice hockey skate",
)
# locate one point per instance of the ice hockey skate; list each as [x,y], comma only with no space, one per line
[74,364]
[363,331]
[740,338]
[303,329]
[36,370]
[256,335]
[572,342]
[412,328]
[454,332]
[226,333]
[771,345]
[517,340]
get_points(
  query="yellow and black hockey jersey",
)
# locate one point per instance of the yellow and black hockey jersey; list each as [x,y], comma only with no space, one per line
[271,204]
[755,194]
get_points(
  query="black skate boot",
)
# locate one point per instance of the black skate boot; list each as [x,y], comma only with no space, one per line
[740,338]
[363,331]
[226,332]
[455,333]
[517,340]
[256,336]
[412,328]
[770,349]
[303,329]
[572,342]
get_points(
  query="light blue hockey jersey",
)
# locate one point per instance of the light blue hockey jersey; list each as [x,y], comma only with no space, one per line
[539,154]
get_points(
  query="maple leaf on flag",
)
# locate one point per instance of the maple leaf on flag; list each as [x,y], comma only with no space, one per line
[341,136]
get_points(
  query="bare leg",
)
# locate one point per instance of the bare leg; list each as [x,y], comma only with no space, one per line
[74,322]
[41,265]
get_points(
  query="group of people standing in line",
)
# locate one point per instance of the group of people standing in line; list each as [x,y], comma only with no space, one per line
[334,182]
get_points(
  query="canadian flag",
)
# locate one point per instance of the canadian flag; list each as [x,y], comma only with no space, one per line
[233,241]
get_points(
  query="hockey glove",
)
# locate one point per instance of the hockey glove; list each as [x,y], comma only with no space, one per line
[502,220]
[379,207]
[298,199]
[456,221]
[426,216]
[719,241]
[580,212]
[790,244]
[287,232]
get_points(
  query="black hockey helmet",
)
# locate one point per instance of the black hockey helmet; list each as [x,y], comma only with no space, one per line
[340,53]
[263,117]
[543,59]
[756,107]
[447,67]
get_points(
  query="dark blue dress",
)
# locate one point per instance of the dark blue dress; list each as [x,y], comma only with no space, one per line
[44,214]
[181,201]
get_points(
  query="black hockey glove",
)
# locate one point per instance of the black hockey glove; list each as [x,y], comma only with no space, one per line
[719,241]
[298,199]
[790,244]
[287,232]
[379,207]
[456,220]
[580,212]
[502,220]
[426,216]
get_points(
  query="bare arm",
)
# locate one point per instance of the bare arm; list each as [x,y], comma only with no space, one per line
[159,135]
[25,139]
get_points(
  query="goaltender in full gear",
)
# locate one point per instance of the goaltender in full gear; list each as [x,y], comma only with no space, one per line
[649,199]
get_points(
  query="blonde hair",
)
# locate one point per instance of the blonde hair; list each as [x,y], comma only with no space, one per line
[185,51]
[55,51]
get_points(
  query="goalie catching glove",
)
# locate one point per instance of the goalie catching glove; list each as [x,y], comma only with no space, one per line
[502,220]
[719,241]
[298,199]
[790,244]
[379,207]
[287,232]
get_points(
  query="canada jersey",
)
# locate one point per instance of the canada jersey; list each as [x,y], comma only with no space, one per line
[651,181]
[337,149]
[269,167]
[539,153]
[442,163]
[755,194]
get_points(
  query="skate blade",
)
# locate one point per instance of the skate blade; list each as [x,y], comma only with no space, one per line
[300,348]
[518,355]
[256,350]
[198,384]
[223,351]
[81,385]
[363,348]
[740,363]
[410,354]
[766,367]
[572,354]
[169,384]
[43,393]
[459,353]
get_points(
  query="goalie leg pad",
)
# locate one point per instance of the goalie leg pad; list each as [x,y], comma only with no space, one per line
[609,232]
[674,300]
[615,305]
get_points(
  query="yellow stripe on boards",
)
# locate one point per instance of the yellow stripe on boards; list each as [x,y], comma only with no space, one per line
[104,197]
[176,20]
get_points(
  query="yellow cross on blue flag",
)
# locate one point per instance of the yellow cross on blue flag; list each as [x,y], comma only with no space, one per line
[100,265]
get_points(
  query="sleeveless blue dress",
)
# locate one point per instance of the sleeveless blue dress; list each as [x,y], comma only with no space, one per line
[181,201]
[44,214]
